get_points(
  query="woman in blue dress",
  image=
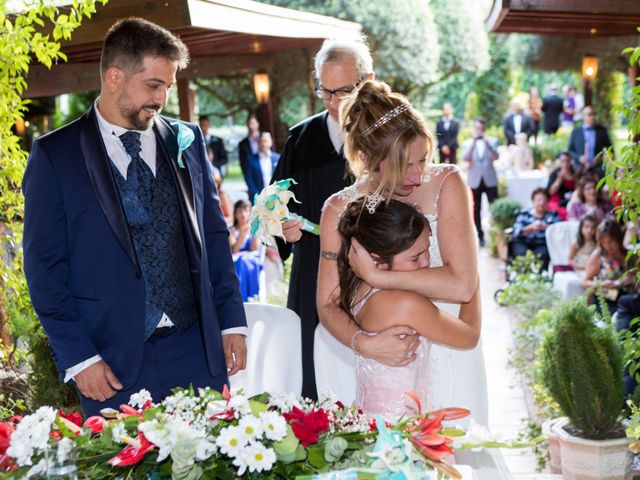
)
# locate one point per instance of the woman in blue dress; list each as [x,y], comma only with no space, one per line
[246,251]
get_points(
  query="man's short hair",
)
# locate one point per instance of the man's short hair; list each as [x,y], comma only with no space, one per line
[130,40]
[202,118]
[481,121]
[337,50]
[538,191]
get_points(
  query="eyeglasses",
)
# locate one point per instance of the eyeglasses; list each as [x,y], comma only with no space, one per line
[340,93]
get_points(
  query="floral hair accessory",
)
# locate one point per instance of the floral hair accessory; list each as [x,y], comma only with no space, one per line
[390,115]
[270,210]
[373,201]
[185,139]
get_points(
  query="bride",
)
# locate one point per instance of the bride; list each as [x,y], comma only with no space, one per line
[388,147]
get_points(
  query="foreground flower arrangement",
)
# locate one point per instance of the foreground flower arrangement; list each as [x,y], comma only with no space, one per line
[207,434]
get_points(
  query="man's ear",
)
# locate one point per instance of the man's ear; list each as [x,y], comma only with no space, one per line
[114,79]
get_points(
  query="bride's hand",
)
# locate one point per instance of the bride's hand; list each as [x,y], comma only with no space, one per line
[364,266]
[395,346]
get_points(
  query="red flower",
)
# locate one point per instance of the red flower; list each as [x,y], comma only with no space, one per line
[132,454]
[6,463]
[95,424]
[15,420]
[307,427]
[55,434]
[73,417]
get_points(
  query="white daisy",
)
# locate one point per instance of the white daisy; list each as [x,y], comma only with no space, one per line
[259,458]
[251,427]
[231,441]
[274,425]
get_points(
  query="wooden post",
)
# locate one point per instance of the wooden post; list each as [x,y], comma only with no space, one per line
[587,91]
[185,100]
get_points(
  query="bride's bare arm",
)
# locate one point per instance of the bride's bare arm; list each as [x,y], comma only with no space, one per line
[390,346]
[389,307]
[456,280]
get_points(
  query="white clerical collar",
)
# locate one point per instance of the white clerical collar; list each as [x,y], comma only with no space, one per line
[335,133]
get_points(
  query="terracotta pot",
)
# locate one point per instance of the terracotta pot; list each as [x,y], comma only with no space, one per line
[553,452]
[584,459]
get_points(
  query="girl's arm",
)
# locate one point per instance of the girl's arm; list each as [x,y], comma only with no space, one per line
[572,253]
[592,270]
[456,280]
[390,307]
[390,346]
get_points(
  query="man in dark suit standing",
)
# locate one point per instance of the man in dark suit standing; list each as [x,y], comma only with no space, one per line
[126,251]
[552,107]
[249,145]
[517,122]
[588,142]
[447,132]
[261,166]
[215,146]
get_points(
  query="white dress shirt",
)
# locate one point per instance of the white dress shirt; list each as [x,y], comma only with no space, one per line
[266,166]
[335,133]
[117,153]
[517,122]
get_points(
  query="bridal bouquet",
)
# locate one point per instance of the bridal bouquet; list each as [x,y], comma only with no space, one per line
[206,434]
[270,210]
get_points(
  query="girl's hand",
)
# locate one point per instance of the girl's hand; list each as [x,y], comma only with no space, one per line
[395,346]
[364,266]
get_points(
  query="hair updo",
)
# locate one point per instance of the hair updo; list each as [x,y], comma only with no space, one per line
[388,141]
[391,229]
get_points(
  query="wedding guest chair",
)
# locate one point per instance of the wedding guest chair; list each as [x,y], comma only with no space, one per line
[559,237]
[335,366]
[274,351]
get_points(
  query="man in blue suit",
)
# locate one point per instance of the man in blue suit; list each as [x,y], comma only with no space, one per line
[260,166]
[126,251]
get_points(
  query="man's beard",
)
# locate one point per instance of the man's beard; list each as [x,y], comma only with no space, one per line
[133,115]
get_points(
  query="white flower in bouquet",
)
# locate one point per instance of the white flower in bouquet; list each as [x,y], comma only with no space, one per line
[475,435]
[137,400]
[39,470]
[286,401]
[119,432]
[328,401]
[231,441]
[255,457]
[251,426]
[274,425]
[239,403]
[216,407]
[31,435]
[64,447]
[171,433]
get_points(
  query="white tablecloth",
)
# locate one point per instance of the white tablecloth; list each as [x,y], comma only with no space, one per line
[521,184]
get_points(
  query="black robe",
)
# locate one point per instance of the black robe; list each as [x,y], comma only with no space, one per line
[311,160]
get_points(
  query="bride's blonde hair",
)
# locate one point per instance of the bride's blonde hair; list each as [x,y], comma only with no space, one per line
[381,125]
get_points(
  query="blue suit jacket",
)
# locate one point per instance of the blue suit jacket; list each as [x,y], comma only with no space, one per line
[254,178]
[81,267]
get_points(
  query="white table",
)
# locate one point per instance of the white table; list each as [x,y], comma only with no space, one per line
[521,184]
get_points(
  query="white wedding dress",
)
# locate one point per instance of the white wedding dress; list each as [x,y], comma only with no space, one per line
[457,377]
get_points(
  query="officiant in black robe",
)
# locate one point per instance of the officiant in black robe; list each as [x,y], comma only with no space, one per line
[313,157]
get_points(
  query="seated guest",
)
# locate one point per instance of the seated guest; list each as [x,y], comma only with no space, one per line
[260,166]
[628,309]
[584,245]
[608,267]
[588,143]
[588,201]
[245,249]
[530,225]
[562,183]
[632,234]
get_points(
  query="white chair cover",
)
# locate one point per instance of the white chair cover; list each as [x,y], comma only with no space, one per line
[560,236]
[335,366]
[274,351]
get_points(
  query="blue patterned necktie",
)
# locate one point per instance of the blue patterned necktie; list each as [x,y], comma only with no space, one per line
[139,174]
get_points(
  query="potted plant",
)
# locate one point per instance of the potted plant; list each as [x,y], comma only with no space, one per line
[503,214]
[582,367]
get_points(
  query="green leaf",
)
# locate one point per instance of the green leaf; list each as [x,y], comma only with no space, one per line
[316,456]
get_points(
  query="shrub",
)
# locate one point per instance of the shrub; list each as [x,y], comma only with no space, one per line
[503,212]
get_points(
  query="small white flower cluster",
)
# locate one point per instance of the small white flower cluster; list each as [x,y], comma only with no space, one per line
[284,402]
[349,420]
[187,408]
[242,442]
[137,400]
[31,436]
[169,433]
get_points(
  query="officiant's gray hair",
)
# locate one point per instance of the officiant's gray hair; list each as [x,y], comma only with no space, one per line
[341,50]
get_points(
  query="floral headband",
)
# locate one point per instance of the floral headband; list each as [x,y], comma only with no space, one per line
[390,115]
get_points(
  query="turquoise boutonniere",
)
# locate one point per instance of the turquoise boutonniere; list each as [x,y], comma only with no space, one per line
[185,139]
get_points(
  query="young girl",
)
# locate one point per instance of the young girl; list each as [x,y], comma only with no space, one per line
[246,256]
[584,245]
[397,235]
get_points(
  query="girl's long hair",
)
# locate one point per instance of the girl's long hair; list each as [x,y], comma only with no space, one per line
[391,229]
[585,219]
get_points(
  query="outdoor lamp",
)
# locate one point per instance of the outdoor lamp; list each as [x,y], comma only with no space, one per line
[261,87]
[589,67]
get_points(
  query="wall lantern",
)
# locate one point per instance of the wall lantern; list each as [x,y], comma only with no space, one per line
[589,67]
[261,87]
